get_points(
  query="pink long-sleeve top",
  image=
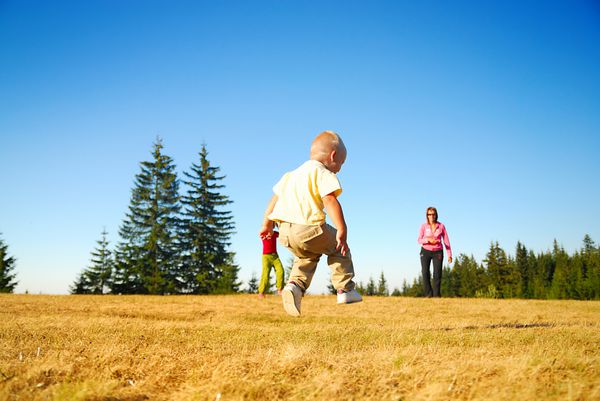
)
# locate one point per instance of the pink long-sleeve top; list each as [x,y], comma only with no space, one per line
[425,235]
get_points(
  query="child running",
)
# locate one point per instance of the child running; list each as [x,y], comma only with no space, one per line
[297,207]
[270,258]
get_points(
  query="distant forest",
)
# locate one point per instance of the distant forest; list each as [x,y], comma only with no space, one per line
[553,274]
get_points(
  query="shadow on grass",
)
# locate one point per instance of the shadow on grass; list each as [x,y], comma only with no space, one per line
[502,326]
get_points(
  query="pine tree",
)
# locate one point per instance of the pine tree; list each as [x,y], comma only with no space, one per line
[470,276]
[559,288]
[360,288]
[578,288]
[148,255]
[7,265]
[544,272]
[227,278]
[207,265]
[81,285]
[416,289]
[126,277]
[588,244]
[525,271]
[450,282]
[590,269]
[371,287]
[512,287]
[405,288]
[95,279]
[382,286]
[102,264]
[499,270]
[252,284]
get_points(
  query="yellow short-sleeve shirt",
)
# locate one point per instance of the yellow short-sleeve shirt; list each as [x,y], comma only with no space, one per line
[300,192]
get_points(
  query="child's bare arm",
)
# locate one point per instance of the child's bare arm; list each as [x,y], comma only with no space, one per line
[266,229]
[334,209]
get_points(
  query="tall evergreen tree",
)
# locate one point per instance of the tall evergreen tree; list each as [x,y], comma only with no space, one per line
[147,257]
[543,274]
[360,288]
[371,287]
[473,277]
[590,268]
[560,279]
[382,286]
[513,285]
[588,244]
[95,279]
[451,281]
[7,265]
[206,229]
[415,289]
[498,268]
[405,288]
[525,271]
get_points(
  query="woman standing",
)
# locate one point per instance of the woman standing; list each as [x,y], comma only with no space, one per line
[430,237]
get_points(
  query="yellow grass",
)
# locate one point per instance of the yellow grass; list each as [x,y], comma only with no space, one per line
[241,348]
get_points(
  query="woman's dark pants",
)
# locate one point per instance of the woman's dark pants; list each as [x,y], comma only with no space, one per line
[426,258]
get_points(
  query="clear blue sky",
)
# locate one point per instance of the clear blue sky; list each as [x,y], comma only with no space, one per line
[489,111]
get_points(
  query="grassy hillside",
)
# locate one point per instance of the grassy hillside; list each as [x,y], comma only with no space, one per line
[241,348]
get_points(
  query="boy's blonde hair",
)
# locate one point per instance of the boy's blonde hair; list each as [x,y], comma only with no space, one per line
[324,144]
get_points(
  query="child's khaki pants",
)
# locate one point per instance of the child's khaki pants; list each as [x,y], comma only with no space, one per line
[308,243]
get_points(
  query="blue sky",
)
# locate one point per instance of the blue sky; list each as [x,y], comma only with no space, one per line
[487,110]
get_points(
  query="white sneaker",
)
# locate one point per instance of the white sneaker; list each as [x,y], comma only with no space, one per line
[291,296]
[348,297]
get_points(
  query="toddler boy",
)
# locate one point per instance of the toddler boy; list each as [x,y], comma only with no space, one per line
[297,207]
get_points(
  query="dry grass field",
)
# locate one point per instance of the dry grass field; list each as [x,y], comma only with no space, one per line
[241,348]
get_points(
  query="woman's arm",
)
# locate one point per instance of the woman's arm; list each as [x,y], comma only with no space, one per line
[447,244]
[421,238]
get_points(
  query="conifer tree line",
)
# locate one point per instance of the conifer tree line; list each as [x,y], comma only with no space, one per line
[553,274]
[379,288]
[171,241]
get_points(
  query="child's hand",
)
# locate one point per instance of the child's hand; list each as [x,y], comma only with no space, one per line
[266,231]
[342,245]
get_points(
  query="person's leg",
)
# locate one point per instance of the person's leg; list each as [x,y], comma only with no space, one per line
[264,277]
[425,262]
[437,259]
[322,240]
[342,268]
[303,270]
[278,273]
[294,237]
